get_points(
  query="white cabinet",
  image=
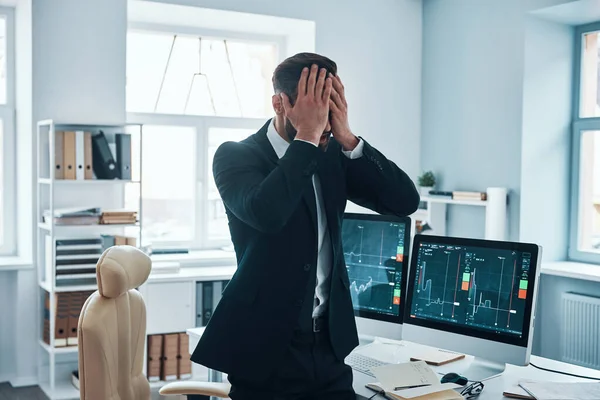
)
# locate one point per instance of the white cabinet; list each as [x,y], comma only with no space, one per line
[169,305]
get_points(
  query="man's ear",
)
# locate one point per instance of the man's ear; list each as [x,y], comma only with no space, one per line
[277,104]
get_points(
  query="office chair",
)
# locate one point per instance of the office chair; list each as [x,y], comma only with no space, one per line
[112,329]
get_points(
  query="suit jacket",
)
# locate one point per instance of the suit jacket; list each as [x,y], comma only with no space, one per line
[272,219]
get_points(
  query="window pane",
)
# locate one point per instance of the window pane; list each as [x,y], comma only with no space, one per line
[147,55]
[589,98]
[168,188]
[178,74]
[217,220]
[2,59]
[589,192]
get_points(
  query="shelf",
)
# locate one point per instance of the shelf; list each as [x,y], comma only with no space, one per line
[45,226]
[63,390]
[58,350]
[85,182]
[70,288]
[445,200]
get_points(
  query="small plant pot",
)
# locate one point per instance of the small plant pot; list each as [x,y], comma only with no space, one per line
[425,190]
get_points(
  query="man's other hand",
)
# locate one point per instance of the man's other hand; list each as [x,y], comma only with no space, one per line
[309,115]
[339,116]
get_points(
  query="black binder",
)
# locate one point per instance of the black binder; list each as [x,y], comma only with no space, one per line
[123,142]
[103,161]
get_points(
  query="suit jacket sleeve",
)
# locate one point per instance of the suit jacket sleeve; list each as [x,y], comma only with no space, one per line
[263,201]
[374,182]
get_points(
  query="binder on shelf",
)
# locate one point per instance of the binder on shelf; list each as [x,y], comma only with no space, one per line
[46,330]
[87,156]
[58,155]
[75,305]
[169,357]
[184,363]
[62,319]
[208,295]
[79,155]
[116,240]
[103,162]
[154,357]
[123,150]
[69,158]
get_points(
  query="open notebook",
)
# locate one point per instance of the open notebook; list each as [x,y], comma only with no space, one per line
[442,391]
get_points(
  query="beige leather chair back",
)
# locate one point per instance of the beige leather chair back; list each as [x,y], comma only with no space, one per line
[112,329]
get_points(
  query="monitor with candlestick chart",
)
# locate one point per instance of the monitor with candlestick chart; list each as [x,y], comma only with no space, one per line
[376,253]
[475,296]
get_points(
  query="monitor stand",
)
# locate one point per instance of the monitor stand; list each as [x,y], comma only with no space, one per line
[482,369]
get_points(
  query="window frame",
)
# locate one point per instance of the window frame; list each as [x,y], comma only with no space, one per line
[7,115]
[580,125]
[202,124]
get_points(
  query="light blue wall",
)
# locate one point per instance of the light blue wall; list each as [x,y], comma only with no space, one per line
[546,139]
[472,102]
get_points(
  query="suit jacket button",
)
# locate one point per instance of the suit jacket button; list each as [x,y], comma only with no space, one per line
[307,267]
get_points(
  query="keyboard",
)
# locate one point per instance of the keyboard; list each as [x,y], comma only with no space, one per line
[362,363]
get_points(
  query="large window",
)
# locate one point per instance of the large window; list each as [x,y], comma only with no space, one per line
[192,93]
[585,210]
[7,134]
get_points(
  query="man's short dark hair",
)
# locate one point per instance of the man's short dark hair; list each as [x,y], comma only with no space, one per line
[287,74]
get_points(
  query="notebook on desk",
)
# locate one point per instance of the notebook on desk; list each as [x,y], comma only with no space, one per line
[436,357]
[433,392]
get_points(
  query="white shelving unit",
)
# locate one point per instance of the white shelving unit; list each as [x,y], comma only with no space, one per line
[52,194]
[436,215]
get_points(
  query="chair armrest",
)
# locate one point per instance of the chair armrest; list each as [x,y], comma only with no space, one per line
[216,389]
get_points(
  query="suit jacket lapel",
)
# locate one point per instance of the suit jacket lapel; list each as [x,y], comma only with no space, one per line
[309,193]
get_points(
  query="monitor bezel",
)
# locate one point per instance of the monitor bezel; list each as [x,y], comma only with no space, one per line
[522,341]
[397,319]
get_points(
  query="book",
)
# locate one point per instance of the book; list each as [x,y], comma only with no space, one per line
[437,357]
[439,391]
[517,392]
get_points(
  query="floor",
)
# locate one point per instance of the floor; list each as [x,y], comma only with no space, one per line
[7,392]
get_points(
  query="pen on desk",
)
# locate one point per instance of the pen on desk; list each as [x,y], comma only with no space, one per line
[411,387]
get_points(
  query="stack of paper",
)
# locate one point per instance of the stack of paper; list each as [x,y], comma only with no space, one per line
[562,390]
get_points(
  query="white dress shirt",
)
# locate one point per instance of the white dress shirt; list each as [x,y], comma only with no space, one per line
[324,255]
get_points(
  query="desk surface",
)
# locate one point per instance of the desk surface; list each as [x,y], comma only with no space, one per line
[493,388]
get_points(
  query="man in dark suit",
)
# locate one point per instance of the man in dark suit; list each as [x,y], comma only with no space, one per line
[285,322]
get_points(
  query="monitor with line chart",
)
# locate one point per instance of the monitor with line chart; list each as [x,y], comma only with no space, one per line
[473,291]
[376,255]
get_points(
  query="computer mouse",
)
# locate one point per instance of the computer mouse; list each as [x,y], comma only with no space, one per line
[454,378]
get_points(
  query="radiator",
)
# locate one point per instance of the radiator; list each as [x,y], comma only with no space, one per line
[580,331]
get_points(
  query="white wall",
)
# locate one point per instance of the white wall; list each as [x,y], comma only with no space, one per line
[79,59]
[79,77]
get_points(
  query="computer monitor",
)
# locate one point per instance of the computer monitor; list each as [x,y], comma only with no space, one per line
[376,252]
[475,297]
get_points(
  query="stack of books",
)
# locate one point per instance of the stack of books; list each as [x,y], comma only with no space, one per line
[118,217]
[469,196]
[459,195]
[73,216]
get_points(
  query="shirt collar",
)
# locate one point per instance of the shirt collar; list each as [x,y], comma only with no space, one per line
[279,144]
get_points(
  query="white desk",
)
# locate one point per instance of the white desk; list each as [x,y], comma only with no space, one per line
[493,388]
